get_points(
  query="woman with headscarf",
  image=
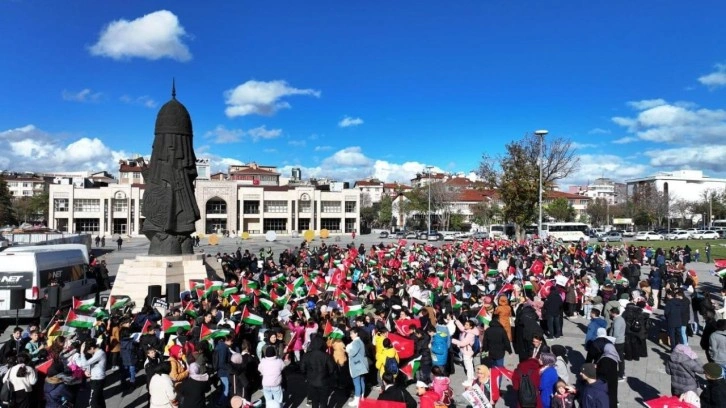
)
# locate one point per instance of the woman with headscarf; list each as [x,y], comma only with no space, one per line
[161,388]
[682,366]
[194,388]
[504,311]
[483,380]
[607,371]
[179,370]
[547,378]
[562,365]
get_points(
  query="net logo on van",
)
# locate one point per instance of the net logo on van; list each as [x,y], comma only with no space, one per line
[23,280]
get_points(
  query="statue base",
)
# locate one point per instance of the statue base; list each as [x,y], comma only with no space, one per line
[135,276]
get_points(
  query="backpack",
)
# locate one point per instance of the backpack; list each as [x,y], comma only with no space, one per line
[448,397]
[527,394]
[636,325]
[7,392]
[391,365]
[476,347]
[439,344]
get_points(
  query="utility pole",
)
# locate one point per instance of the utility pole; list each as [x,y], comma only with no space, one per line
[428,168]
[541,134]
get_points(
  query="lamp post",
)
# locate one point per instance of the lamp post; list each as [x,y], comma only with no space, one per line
[541,134]
[428,168]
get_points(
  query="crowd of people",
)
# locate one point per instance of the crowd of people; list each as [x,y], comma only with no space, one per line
[328,325]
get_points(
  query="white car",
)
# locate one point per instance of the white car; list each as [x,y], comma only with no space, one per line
[648,236]
[679,235]
[450,236]
[706,235]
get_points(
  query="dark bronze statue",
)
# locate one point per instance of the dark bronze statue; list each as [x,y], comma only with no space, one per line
[169,204]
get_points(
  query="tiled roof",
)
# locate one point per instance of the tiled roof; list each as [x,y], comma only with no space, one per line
[368,183]
[254,171]
[125,168]
[562,194]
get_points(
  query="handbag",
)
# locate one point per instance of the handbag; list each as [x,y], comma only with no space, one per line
[7,392]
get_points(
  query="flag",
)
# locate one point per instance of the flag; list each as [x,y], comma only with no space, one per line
[410,369]
[353,310]
[404,347]
[528,285]
[483,316]
[299,282]
[280,277]
[328,329]
[190,311]
[455,303]
[117,303]
[99,312]
[507,287]
[266,303]
[336,334]
[239,299]
[230,291]
[44,367]
[250,318]
[208,334]
[79,321]
[416,305]
[403,326]
[210,285]
[171,326]
[497,373]
[195,284]
[83,305]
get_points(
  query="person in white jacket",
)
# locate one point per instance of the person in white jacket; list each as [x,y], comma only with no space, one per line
[23,378]
[465,342]
[161,388]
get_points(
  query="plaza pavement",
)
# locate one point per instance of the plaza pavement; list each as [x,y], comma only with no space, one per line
[646,379]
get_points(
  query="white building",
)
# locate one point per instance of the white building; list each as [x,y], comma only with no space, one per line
[24,185]
[371,190]
[690,185]
[602,188]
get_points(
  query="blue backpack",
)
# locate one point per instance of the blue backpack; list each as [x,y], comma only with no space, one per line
[391,365]
[476,347]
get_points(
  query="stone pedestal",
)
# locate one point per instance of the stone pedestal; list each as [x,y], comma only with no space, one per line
[136,275]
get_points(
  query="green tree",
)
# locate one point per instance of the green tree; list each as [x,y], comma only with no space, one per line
[7,212]
[597,211]
[368,215]
[456,221]
[515,175]
[485,213]
[561,210]
[385,211]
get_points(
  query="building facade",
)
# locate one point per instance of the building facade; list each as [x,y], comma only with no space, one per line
[603,188]
[690,185]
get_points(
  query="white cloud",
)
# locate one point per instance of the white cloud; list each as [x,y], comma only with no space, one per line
[350,164]
[261,98]
[715,79]
[323,148]
[154,36]
[625,140]
[577,145]
[223,135]
[262,132]
[681,122]
[599,131]
[349,122]
[144,100]
[593,166]
[646,103]
[297,143]
[84,95]
[696,157]
[31,149]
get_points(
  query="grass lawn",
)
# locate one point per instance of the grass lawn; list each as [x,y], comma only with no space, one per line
[718,247]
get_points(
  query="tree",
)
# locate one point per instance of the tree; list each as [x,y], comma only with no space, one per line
[561,210]
[650,204]
[682,208]
[597,211]
[456,222]
[7,212]
[385,211]
[368,215]
[485,212]
[515,175]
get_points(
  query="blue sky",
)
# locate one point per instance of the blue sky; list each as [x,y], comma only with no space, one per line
[357,89]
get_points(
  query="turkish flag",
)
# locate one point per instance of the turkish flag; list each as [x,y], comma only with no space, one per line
[404,347]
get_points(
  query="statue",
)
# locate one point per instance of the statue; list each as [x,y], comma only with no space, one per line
[170,206]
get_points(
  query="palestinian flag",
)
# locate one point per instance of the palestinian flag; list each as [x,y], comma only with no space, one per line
[79,321]
[336,334]
[280,277]
[190,311]
[210,285]
[209,334]
[483,316]
[250,318]
[328,329]
[99,312]
[266,303]
[230,291]
[416,305]
[239,299]
[352,310]
[455,303]
[279,300]
[117,303]
[410,369]
[248,284]
[298,283]
[528,286]
[195,284]
[84,305]
[372,262]
[171,326]
[313,290]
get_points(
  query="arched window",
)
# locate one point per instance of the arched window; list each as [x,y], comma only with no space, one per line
[216,206]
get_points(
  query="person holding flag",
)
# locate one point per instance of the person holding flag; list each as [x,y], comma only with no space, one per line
[465,342]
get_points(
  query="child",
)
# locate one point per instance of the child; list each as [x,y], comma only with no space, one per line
[564,396]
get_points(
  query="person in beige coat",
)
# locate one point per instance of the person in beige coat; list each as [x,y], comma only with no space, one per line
[504,311]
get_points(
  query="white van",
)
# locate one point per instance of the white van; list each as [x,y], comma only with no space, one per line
[32,269]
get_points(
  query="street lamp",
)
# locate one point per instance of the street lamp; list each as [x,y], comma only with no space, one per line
[541,134]
[429,181]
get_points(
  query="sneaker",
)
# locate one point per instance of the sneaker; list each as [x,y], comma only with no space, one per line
[354,403]
[621,379]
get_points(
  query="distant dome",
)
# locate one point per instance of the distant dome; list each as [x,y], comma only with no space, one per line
[173,118]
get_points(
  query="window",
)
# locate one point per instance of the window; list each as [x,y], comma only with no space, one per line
[275,207]
[330,224]
[349,224]
[275,224]
[60,204]
[137,175]
[350,206]
[120,205]
[305,206]
[26,184]
[583,202]
[141,207]
[251,207]
[27,193]
[330,206]
[87,225]
[86,205]
[216,206]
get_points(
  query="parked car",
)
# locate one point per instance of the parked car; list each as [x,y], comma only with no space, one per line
[702,234]
[411,235]
[611,236]
[628,234]
[481,235]
[648,236]
[434,236]
[463,235]
[680,235]
[450,236]
[401,234]
[383,234]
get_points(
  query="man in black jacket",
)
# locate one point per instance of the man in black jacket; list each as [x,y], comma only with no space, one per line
[552,310]
[318,367]
[422,348]
[715,390]
[674,318]
[496,343]
[395,393]
[15,344]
